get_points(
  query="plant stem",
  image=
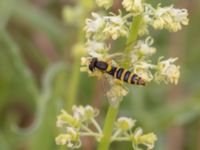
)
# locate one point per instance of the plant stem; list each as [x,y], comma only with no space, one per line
[96,135]
[97,126]
[122,139]
[131,39]
[108,126]
[112,111]
[133,32]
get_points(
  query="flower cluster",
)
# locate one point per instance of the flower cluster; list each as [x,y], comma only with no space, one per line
[169,18]
[101,29]
[79,124]
[116,93]
[76,125]
[139,138]
[134,6]
[167,71]
[124,132]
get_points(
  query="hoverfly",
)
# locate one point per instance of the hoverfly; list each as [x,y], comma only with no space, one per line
[117,72]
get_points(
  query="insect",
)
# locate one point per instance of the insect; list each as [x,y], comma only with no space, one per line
[117,72]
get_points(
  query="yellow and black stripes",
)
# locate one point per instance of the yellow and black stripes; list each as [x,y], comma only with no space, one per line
[117,72]
[127,76]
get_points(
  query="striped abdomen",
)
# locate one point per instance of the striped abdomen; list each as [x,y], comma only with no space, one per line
[120,73]
[126,76]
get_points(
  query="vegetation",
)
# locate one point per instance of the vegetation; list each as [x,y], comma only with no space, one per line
[40,74]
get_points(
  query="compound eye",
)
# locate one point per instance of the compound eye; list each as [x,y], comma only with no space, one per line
[91,67]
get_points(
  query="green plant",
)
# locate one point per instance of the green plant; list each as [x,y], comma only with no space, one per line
[136,57]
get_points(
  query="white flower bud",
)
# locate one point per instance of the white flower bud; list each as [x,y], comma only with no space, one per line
[70,138]
[142,49]
[90,112]
[125,123]
[147,140]
[142,69]
[73,133]
[169,18]
[84,61]
[115,94]
[138,132]
[115,27]
[167,71]
[96,48]
[78,112]
[134,6]
[95,26]
[84,114]
[65,118]
[62,139]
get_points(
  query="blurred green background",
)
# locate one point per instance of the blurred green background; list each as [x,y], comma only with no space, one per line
[39,75]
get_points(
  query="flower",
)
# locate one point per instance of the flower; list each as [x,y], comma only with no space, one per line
[62,139]
[143,30]
[66,119]
[80,114]
[90,112]
[71,133]
[169,18]
[116,93]
[101,28]
[104,3]
[85,61]
[70,138]
[134,6]
[125,123]
[167,71]
[148,140]
[96,48]
[84,114]
[95,26]
[139,138]
[115,26]
[142,49]
[142,69]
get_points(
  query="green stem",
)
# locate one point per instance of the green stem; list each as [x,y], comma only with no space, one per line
[116,134]
[133,32]
[97,126]
[87,129]
[131,39]
[112,111]
[96,135]
[122,139]
[107,132]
